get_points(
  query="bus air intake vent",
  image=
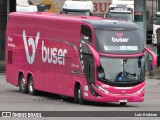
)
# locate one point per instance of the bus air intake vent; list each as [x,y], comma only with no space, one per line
[10,54]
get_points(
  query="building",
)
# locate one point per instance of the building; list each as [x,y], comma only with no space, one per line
[6,6]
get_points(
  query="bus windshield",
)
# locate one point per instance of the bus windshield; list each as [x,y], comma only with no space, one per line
[121,15]
[121,70]
[119,41]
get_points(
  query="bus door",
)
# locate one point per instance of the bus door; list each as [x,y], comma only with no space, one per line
[86,56]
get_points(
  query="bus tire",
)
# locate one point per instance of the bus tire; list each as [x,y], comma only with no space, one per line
[123,103]
[22,84]
[78,96]
[31,89]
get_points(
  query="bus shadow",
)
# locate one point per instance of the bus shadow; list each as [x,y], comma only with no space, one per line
[70,100]
[50,97]
[108,104]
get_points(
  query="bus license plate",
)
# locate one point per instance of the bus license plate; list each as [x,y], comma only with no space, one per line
[122,100]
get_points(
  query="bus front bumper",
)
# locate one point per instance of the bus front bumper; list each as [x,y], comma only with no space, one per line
[110,97]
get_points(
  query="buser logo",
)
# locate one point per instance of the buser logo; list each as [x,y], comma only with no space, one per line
[53,55]
[50,55]
[33,44]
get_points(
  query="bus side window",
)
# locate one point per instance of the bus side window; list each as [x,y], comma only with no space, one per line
[86,33]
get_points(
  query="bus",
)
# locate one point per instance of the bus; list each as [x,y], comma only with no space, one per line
[87,58]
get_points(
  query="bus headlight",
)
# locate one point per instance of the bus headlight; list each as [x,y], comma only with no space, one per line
[141,90]
[102,90]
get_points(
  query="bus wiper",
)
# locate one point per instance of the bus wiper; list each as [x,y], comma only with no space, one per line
[123,75]
[104,80]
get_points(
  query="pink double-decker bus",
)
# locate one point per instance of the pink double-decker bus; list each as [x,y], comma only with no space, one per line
[84,57]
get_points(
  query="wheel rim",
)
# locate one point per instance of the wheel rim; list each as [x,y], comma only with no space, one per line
[31,86]
[79,93]
[23,84]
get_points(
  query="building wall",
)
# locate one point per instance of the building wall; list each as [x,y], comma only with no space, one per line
[6,6]
[3,22]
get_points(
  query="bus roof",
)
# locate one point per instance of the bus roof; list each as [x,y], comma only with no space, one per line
[113,24]
[97,22]
[49,15]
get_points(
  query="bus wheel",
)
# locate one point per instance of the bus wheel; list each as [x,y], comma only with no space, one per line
[76,94]
[22,84]
[78,97]
[123,103]
[31,89]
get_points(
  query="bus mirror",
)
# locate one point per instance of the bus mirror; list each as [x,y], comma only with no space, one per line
[101,73]
[95,54]
[154,57]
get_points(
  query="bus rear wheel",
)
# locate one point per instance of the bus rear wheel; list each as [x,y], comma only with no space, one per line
[31,89]
[22,84]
